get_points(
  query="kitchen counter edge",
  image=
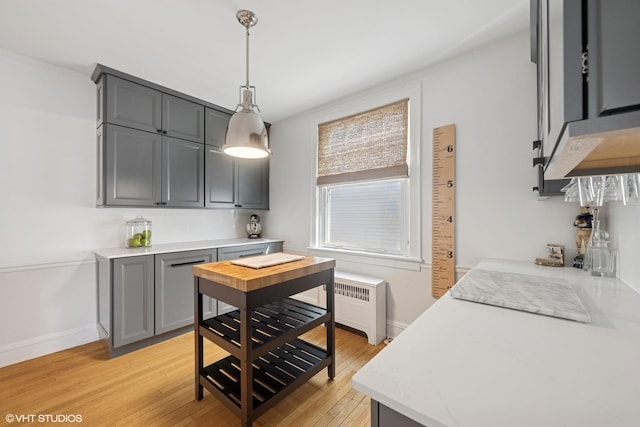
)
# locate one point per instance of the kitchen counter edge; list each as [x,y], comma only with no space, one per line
[163,248]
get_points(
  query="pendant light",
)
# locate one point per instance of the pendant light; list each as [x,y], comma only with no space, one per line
[246,134]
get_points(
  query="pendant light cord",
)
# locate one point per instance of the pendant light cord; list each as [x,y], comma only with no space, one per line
[247,85]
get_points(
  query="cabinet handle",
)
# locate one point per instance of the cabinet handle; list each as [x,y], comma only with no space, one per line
[164,132]
[158,203]
[159,130]
[180,264]
[252,254]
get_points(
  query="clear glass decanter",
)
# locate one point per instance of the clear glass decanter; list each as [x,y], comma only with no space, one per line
[600,257]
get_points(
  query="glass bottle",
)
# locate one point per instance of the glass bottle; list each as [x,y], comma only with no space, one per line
[600,257]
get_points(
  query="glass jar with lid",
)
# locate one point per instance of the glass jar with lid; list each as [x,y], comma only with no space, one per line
[138,232]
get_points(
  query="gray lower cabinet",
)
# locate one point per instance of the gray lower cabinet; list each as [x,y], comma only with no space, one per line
[235,183]
[235,252]
[383,416]
[133,312]
[146,299]
[174,289]
[146,169]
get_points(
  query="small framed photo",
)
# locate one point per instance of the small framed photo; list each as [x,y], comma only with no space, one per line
[555,254]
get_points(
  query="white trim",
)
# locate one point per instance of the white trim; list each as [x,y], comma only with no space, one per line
[47,265]
[46,344]
[395,328]
[406,263]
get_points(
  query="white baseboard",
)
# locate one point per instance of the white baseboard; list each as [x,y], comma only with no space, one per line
[394,328]
[46,344]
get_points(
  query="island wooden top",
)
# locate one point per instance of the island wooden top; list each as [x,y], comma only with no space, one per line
[249,279]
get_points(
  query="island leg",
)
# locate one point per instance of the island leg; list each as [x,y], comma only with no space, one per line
[198,338]
[330,327]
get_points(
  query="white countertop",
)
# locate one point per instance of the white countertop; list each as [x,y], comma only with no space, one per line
[463,363]
[121,252]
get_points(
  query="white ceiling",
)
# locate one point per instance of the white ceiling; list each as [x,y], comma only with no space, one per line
[303,53]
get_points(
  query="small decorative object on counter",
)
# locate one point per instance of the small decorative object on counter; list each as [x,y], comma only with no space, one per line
[583,223]
[555,256]
[254,228]
[138,232]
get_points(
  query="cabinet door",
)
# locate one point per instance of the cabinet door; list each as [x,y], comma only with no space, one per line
[132,299]
[133,167]
[133,105]
[182,173]
[216,123]
[614,57]
[562,80]
[182,119]
[220,182]
[174,289]
[253,183]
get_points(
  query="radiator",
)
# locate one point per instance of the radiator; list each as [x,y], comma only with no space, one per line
[361,304]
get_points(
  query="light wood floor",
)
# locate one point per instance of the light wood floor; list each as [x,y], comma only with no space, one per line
[155,387]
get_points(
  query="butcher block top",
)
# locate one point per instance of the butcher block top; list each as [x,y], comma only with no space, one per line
[249,279]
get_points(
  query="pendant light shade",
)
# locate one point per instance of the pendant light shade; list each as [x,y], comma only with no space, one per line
[246,133]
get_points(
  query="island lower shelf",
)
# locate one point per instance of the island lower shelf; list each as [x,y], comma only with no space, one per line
[278,370]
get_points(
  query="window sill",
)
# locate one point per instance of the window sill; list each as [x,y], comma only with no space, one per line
[393,261]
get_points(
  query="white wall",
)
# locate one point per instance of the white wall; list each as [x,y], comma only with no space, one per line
[49,224]
[490,95]
[624,224]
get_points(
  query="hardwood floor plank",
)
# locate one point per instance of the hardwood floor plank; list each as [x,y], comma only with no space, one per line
[154,386]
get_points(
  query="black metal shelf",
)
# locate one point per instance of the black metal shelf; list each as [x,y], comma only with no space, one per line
[275,371]
[272,325]
[267,359]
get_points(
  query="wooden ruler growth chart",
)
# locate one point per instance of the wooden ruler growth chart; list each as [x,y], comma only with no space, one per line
[443,268]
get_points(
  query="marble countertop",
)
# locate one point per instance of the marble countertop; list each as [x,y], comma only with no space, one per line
[162,248]
[462,363]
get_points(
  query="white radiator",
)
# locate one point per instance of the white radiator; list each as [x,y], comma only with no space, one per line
[360,303]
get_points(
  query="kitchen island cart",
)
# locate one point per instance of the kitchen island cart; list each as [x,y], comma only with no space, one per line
[266,358]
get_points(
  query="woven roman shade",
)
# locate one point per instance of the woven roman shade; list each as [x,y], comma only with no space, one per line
[366,146]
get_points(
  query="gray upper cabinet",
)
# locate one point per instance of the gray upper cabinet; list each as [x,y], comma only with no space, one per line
[158,147]
[588,86]
[133,296]
[229,182]
[132,175]
[133,105]
[182,173]
[147,169]
[235,183]
[220,179]
[182,119]
[140,107]
[253,183]
[216,123]
[614,57]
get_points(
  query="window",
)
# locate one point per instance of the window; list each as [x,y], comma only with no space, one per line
[363,182]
